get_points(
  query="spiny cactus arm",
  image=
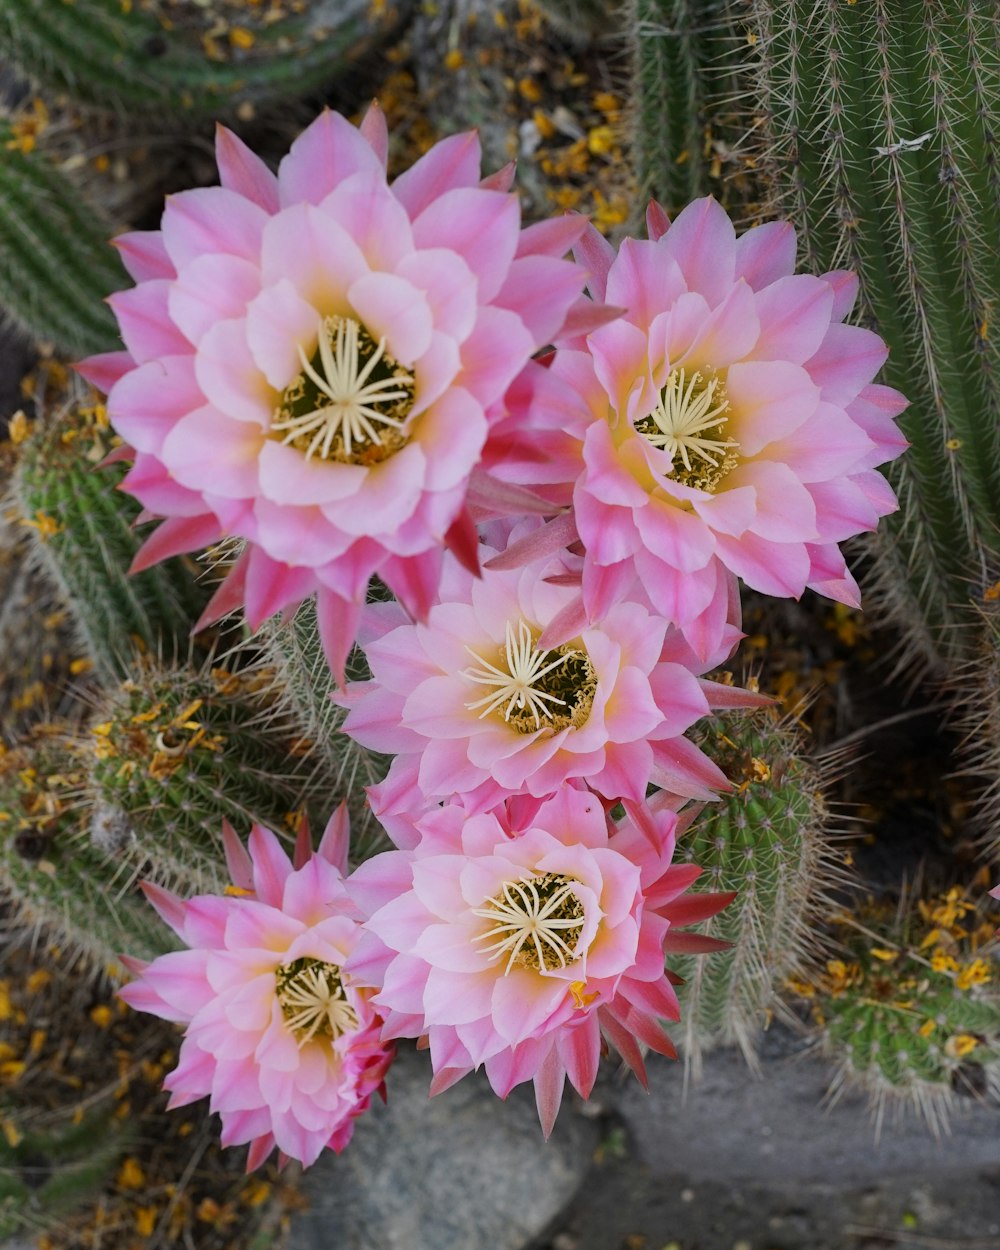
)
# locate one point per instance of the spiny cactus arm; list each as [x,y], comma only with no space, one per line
[885,160]
[81,529]
[103,55]
[55,263]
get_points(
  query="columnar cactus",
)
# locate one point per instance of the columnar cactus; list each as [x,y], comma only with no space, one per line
[82,536]
[686,58]
[769,840]
[105,53]
[55,263]
[882,134]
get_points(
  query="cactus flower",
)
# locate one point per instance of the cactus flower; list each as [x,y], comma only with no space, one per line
[727,420]
[314,359]
[524,939]
[471,702]
[277,1034]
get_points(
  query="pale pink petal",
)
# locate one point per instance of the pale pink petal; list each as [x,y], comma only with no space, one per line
[702,241]
[454,162]
[144,255]
[144,320]
[766,253]
[327,152]
[242,171]
[212,288]
[482,226]
[210,220]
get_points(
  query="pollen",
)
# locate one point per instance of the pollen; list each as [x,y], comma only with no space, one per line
[312,1000]
[691,411]
[351,400]
[536,923]
[556,687]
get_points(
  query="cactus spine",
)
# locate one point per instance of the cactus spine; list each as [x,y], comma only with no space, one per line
[81,530]
[883,131]
[769,841]
[103,54]
[55,263]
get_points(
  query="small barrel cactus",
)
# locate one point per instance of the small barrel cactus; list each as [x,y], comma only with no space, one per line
[770,841]
[911,1009]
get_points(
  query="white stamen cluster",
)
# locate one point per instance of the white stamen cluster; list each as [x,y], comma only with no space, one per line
[685,409]
[312,1000]
[516,685]
[355,403]
[541,912]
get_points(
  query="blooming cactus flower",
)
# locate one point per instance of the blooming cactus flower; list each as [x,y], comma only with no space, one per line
[276,1032]
[519,939]
[471,703]
[727,420]
[314,358]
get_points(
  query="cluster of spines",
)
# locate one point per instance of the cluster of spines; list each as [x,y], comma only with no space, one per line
[82,533]
[882,133]
[769,840]
[55,263]
[106,54]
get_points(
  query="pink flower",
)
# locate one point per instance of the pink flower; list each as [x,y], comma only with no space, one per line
[727,421]
[517,940]
[277,1033]
[314,360]
[473,703]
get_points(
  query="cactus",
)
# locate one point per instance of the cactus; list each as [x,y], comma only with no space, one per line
[175,752]
[303,687]
[107,54]
[769,840]
[55,263]
[912,1010]
[685,63]
[51,875]
[81,530]
[882,134]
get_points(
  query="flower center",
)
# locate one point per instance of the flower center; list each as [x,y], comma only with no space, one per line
[558,685]
[351,400]
[536,923]
[688,407]
[312,1000]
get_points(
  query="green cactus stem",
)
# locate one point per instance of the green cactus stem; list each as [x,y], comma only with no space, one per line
[50,874]
[81,531]
[911,1010]
[303,687]
[172,753]
[770,841]
[107,54]
[686,61]
[882,143]
[55,263]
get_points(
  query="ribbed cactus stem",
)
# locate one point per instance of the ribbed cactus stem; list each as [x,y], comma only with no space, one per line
[51,876]
[882,125]
[80,527]
[55,263]
[105,53]
[303,687]
[684,59]
[171,754]
[769,840]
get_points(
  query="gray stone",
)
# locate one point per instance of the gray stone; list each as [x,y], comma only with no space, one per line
[456,1172]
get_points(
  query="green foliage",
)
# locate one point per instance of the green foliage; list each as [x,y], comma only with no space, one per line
[912,1009]
[55,263]
[81,530]
[769,841]
[101,55]
[882,142]
[686,61]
